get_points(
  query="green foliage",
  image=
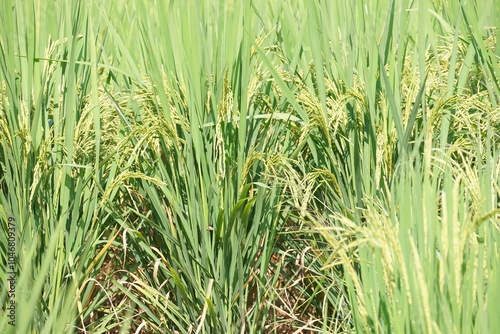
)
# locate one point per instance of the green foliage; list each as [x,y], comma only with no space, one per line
[251,166]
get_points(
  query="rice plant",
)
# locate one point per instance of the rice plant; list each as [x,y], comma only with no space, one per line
[249,166]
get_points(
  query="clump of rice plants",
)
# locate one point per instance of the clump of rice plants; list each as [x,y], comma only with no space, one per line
[249,166]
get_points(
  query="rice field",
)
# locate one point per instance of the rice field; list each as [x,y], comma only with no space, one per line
[254,166]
